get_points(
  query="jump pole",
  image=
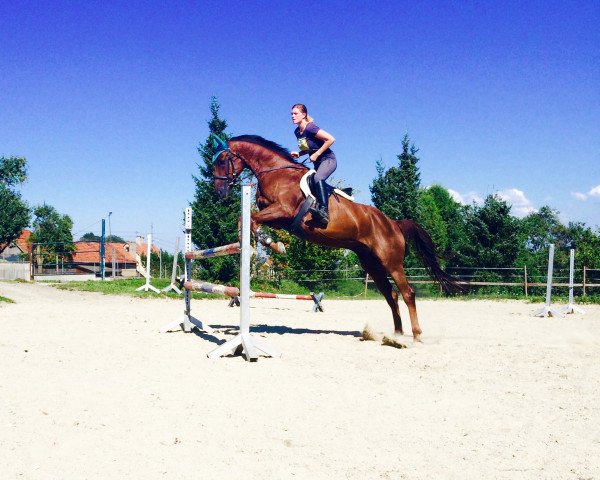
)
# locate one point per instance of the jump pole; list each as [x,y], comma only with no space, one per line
[173,285]
[547,310]
[571,307]
[147,285]
[249,343]
[317,298]
[187,321]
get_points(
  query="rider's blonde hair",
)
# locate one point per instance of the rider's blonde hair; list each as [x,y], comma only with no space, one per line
[304,110]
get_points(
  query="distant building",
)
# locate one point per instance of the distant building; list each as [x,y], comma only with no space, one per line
[13,252]
[126,256]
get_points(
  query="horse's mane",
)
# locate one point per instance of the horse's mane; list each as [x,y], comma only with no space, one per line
[268,144]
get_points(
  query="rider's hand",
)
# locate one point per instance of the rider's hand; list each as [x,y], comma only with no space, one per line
[313,157]
[295,154]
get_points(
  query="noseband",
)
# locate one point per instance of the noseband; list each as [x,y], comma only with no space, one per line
[231,176]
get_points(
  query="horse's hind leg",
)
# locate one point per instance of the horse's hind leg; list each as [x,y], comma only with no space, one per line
[408,295]
[378,274]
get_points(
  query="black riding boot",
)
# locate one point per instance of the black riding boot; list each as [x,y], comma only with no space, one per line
[320,213]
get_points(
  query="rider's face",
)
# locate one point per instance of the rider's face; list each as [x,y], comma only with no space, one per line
[297,116]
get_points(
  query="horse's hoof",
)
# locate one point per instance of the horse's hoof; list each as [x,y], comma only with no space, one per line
[278,247]
[392,342]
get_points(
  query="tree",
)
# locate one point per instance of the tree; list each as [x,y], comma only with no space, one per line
[430,218]
[92,237]
[13,171]
[536,231]
[453,218]
[310,262]
[586,243]
[214,221]
[396,191]
[492,235]
[53,231]
[14,212]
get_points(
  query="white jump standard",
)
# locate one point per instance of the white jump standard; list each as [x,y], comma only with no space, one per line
[187,321]
[249,343]
[547,310]
[173,285]
[571,307]
[147,285]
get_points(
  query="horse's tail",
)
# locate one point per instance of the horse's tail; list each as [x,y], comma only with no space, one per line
[428,253]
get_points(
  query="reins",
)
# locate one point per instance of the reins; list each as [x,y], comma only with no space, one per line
[232,177]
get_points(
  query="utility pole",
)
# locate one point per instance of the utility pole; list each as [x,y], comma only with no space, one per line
[102,262]
[113,247]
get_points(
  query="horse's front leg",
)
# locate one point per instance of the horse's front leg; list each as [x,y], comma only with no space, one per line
[273,213]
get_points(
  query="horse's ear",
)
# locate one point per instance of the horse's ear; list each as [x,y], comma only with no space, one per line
[219,145]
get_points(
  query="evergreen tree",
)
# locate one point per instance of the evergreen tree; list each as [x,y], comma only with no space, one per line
[214,221]
[396,191]
[14,212]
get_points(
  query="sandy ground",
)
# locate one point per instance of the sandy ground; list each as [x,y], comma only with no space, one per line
[89,389]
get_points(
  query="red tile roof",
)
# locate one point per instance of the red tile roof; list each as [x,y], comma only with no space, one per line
[89,252]
[22,241]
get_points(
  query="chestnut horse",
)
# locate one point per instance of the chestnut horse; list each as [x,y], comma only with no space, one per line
[378,241]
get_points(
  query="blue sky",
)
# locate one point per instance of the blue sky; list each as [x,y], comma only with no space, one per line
[108,101]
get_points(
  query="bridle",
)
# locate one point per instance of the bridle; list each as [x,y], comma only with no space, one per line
[233,177]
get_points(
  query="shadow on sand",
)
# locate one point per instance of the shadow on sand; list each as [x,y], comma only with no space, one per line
[275,329]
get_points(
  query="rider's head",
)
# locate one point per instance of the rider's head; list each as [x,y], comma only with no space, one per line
[299,113]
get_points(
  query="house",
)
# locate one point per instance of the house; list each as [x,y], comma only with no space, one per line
[14,250]
[126,257]
[86,257]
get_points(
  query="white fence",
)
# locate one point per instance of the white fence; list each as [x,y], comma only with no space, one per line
[14,271]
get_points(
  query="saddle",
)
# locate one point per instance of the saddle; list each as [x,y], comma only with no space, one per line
[307,187]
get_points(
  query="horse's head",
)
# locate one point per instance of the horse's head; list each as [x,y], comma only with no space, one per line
[227,167]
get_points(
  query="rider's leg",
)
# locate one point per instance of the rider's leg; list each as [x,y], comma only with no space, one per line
[321,212]
[324,169]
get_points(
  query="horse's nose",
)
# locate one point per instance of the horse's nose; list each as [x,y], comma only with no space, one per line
[222,189]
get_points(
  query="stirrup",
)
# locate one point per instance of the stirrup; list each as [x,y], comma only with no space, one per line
[320,215]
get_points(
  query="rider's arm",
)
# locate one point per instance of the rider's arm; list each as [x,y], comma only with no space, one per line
[328,142]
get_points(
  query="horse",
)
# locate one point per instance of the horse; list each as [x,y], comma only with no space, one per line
[378,241]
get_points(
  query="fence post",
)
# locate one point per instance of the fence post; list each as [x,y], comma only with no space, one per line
[584,276]
[525,276]
[366,281]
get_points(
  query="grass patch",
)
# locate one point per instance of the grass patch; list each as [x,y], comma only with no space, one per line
[128,287]
[6,299]
[345,290]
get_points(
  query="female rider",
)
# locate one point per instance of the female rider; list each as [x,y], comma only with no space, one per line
[315,142]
